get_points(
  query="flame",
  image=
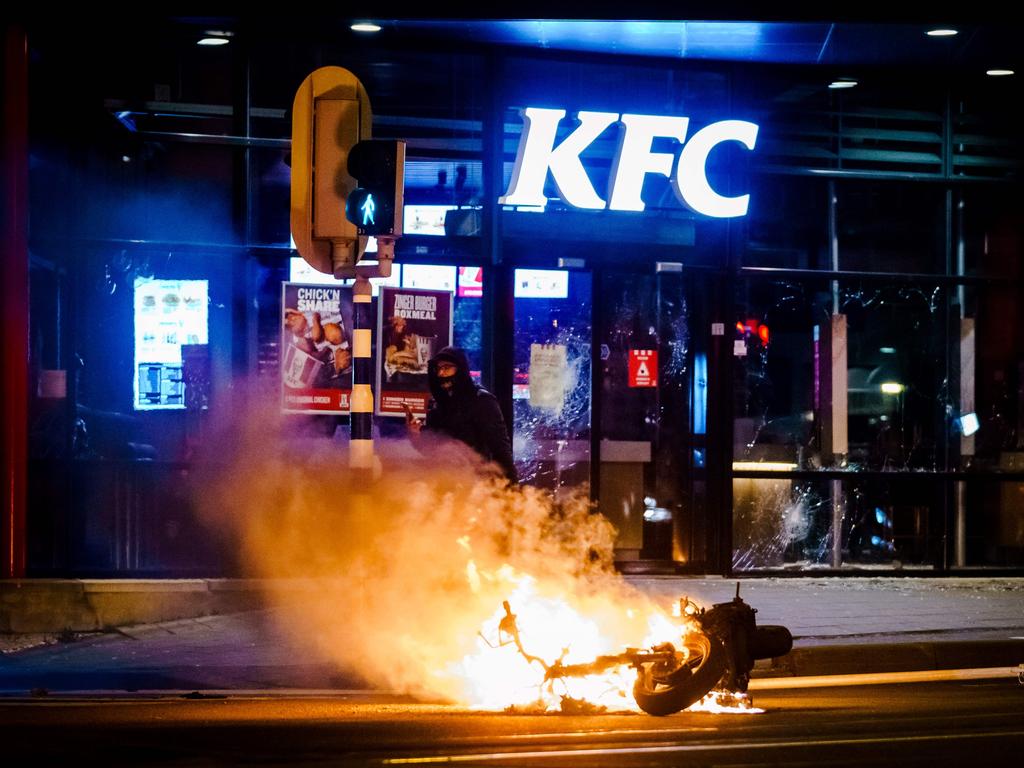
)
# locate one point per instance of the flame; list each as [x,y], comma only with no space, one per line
[726,703]
[497,676]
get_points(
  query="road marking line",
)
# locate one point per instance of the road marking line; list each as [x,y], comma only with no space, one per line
[689,748]
[606,732]
[922,676]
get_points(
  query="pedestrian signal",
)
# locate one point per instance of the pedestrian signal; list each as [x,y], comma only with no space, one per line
[375,206]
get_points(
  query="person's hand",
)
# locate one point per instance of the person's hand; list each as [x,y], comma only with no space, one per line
[414,424]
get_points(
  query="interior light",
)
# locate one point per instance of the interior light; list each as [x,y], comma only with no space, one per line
[969,424]
[836,84]
[999,72]
[892,387]
[365,26]
[887,350]
[945,32]
[763,466]
[213,41]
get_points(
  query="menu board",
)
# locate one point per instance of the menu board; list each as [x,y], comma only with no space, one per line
[168,313]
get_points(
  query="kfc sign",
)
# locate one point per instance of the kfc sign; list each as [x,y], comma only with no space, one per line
[538,155]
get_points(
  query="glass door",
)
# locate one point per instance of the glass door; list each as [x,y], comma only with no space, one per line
[552,379]
[652,416]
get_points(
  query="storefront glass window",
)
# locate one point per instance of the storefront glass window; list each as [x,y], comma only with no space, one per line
[896,392]
[551,386]
[851,378]
[882,522]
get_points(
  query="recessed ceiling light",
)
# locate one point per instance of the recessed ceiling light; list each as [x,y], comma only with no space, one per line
[945,32]
[844,83]
[365,26]
[999,72]
[213,41]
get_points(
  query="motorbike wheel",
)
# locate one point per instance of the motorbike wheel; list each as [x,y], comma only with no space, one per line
[664,691]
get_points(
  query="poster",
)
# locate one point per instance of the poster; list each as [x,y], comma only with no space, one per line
[316,348]
[549,368]
[414,325]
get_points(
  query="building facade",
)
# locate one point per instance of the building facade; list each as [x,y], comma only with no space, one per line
[804,354]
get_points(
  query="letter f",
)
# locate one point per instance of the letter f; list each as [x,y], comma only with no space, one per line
[538,154]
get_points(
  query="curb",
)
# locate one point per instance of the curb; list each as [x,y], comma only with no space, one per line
[46,606]
[880,658]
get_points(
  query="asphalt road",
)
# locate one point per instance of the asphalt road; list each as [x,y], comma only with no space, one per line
[975,722]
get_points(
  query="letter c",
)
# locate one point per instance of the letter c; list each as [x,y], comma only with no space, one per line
[691,180]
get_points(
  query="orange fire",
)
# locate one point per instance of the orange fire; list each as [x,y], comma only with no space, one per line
[496,676]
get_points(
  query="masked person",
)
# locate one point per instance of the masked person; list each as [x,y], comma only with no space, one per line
[464,411]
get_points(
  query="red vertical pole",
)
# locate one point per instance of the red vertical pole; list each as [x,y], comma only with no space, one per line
[15,302]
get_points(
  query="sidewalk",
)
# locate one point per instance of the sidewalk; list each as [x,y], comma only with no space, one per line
[840,626]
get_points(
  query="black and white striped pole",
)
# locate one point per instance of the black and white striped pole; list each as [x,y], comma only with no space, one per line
[361,452]
[361,455]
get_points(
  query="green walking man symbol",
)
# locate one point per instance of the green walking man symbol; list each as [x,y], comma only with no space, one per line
[368,207]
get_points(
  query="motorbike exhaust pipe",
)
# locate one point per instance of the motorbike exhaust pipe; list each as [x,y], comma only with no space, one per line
[770,642]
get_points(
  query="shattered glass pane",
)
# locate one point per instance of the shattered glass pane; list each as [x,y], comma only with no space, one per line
[786,523]
[644,422]
[551,428]
[790,339]
[896,388]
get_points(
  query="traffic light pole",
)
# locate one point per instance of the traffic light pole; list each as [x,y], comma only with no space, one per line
[361,455]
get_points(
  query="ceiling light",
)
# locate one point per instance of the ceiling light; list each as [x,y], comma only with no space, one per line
[843,83]
[942,32]
[365,26]
[213,41]
[999,72]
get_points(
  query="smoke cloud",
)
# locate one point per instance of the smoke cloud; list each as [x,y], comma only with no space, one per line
[402,570]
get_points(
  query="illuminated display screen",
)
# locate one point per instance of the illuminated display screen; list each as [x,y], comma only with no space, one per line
[168,313]
[471,282]
[542,284]
[433,276]
[425,219]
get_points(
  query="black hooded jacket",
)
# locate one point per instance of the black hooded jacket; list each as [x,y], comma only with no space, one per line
[468,413]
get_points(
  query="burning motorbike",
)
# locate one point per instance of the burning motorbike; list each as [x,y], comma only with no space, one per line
[716,653]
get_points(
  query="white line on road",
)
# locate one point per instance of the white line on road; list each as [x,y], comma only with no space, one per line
[607,732]
[882,678]
[668,748]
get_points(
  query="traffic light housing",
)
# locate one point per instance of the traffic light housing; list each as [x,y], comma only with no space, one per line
[375,206]
[330,115]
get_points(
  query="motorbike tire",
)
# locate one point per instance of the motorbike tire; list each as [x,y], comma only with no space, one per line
[662,692]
